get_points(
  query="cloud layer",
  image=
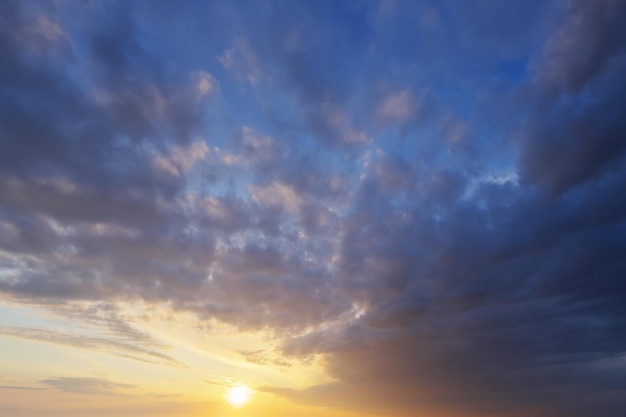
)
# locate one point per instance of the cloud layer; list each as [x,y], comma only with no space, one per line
[429,198]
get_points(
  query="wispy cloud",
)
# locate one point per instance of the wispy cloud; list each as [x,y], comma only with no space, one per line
[78,341]
[21,388]
[85,385]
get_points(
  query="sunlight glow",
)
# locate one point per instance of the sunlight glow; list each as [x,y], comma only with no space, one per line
[239,395]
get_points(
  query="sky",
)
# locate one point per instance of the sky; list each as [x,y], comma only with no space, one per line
[350,208]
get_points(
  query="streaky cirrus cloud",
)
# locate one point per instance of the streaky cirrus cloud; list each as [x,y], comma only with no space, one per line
[87,385]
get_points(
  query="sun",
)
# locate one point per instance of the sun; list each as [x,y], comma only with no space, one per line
[238,395]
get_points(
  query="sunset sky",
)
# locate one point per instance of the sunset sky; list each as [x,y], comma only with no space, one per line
[313,208]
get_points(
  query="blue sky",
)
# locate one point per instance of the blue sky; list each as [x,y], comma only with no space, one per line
[374,207]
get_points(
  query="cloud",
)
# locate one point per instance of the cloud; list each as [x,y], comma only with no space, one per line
[206,84]
[256,147]
[341,201]
[264,357]
[589,38]
[21,388]
[241,59]
[85,385]
[395,107]
[101,326]
[575,135]
[278,195]
[182,159]
[116,347]
[467,301]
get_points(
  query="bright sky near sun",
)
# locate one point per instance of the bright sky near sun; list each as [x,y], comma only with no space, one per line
[356,208]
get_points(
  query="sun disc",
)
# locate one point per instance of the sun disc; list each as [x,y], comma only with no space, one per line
[238,396]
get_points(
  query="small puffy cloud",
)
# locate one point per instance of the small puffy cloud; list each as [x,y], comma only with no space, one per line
[253,140]
[47,32]
[396,107]
[181,159]
[215,208]
[278,195]
[257,145]
[205,84]
[242,61]
[38,30]
[333,122]
[354,136]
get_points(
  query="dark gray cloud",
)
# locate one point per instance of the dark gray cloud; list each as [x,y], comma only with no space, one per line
[480,314]
[577,132]
[589,37]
